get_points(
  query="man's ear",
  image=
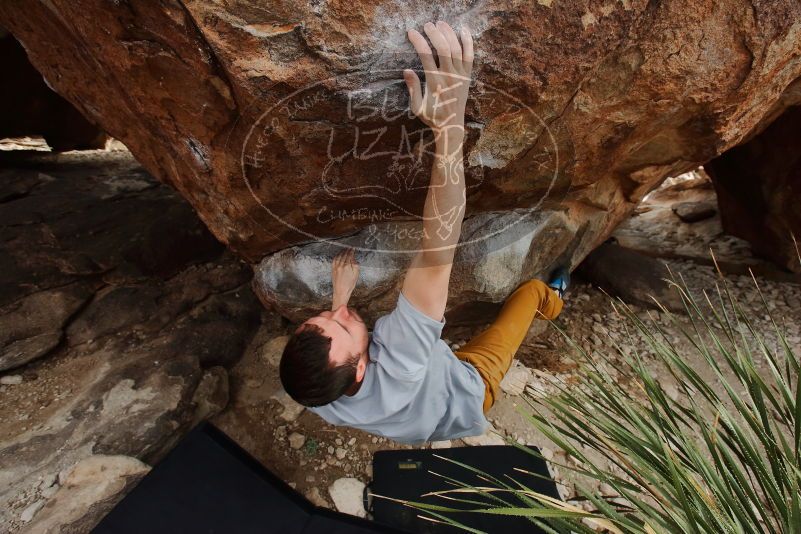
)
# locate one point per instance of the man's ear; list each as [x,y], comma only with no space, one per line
[361,367]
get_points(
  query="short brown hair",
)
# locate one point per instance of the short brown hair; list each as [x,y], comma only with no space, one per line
[306,370]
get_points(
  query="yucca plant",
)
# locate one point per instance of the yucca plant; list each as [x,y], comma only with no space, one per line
[713,459]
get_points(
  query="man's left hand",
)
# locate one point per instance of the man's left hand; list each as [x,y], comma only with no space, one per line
[344,275]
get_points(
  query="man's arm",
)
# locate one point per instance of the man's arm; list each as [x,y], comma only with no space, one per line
[441,108]
[344,275]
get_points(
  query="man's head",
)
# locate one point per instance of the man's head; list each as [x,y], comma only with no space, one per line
[325,357]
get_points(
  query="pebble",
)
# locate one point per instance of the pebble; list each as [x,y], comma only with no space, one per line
[488,438]
[291,408]
[340,452]
[315,498]
[29,512]
[441,444]
[11,380]
[537,387]
[514,382]
[296,440]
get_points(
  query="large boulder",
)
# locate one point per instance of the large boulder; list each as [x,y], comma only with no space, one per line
[759,184]
[287,123]
[632,277]
[297,280]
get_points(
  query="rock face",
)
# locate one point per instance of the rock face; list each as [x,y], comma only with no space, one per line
[758,185]
[29,107]
[86,492]
[287,123]
[127,312]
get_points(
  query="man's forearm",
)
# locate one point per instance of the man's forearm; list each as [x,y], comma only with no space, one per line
[445,202]
[340,298]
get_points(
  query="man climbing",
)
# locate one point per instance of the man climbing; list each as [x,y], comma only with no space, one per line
[404,382]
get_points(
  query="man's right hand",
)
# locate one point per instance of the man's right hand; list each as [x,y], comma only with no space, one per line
[442,104]
[441,108]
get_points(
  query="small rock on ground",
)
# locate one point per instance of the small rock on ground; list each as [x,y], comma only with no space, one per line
[316,498]
[514,383]
[296,440]
[347,494]
[11,380]
[29,512]
[488,438]
[291,408]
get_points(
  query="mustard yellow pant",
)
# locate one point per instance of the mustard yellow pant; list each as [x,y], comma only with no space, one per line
[491,352]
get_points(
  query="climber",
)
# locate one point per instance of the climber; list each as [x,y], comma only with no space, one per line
[404,382]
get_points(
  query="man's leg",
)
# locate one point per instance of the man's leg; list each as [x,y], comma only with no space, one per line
[491,352]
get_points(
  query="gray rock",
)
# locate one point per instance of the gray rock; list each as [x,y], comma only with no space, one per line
[11,380]
[114,282]
[635,278]
[347,496]
[691,212]
[490,437]
[606,489]
[89,490]
[31,511]
[291,409]
[516,378]
[501,251]
[32,327]
[211,395]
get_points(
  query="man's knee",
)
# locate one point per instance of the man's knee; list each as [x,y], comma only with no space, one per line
[533,287]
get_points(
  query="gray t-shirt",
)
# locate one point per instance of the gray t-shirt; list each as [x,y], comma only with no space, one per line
[415,389]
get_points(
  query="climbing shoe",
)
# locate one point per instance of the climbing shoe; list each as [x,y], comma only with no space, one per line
[559,280]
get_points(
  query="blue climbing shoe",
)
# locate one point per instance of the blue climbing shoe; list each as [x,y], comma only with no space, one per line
[560,280]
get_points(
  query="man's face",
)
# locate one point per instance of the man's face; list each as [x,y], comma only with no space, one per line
[348,336]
